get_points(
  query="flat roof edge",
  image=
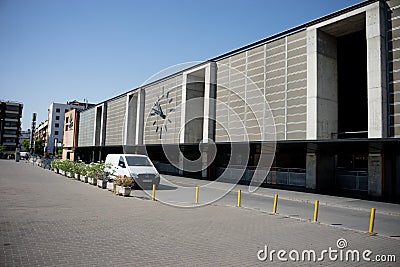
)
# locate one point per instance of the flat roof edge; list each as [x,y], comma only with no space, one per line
[294,29]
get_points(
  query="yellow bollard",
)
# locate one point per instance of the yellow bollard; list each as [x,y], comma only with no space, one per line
[197,195]
[372,221]
[239,198]
[316,211]
[153,194]
[275,204]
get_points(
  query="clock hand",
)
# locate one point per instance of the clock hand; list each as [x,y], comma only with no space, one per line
[162,115]
[157,111]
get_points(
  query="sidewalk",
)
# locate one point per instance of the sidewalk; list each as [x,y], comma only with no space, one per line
[332,201]
[50,220]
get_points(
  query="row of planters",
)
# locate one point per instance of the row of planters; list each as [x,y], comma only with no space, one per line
[98,173]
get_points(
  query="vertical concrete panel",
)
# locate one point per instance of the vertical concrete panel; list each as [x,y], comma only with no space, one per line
[376,69]
[311,84]
[321,85]
[311,171]
[375,175]
[327,107]
[140,117]
[131,118]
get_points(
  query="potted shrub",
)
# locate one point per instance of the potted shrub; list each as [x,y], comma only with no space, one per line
[75,170]
[78,168]
[91,172]
[82,171]
[123,185]
[61,167]
[55,165]
[98,173]
[69,166]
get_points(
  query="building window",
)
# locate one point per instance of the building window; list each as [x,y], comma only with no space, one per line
[66,119]
[57,118]
[57,125]
[57,110]
[56,133]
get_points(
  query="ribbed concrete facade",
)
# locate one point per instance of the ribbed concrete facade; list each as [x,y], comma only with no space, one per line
[172,87]
[115,121]
[330,86]
[86,128]
[393,19]
[278,70]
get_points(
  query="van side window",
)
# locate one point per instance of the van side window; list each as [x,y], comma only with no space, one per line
[121,162]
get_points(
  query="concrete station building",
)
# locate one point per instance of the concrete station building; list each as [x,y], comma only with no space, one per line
[333,89]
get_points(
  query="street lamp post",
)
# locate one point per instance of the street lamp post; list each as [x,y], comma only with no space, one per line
[55,147]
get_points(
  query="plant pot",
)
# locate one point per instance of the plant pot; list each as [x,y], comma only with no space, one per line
[110,186]
[124,191]
[117,187]
[101,183]
[83,178]
[55,170]
[68,174]
[61,172]
[92,181]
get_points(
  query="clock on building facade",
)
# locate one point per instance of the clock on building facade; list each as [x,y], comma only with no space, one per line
[160,111]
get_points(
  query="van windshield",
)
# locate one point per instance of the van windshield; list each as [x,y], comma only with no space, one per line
[137,161]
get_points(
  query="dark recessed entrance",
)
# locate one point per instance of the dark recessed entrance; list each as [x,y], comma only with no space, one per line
[352,85]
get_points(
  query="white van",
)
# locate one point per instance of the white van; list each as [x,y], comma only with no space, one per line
[138,167]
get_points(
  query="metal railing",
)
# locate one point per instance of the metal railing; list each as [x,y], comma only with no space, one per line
[352,180]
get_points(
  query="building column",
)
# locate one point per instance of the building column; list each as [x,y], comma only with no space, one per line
[375,174]
[320,171]
[180,163]
[140,117]
[204,161]
[397,172]
[376,72]
[322,97]
[311,171]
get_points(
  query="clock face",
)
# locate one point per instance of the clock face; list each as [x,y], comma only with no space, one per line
[160,111]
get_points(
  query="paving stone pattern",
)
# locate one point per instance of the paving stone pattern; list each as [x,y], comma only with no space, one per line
[50,220]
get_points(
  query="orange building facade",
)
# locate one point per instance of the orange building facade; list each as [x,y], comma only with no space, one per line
[70,140]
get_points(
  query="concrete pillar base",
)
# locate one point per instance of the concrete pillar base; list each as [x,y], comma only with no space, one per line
[320,171]
[375,174]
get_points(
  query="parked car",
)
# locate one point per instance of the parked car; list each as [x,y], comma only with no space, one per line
[138,167]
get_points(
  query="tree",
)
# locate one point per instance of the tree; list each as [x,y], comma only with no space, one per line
[26,145]
[2,148]
[39,146]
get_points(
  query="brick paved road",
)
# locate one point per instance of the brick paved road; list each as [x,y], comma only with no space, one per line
[50,220]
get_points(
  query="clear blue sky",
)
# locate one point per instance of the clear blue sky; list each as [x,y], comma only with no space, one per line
[61,50]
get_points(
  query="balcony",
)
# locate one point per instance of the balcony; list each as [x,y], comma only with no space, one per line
[12,111]
[10,135]
[9,119]
[9,143]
